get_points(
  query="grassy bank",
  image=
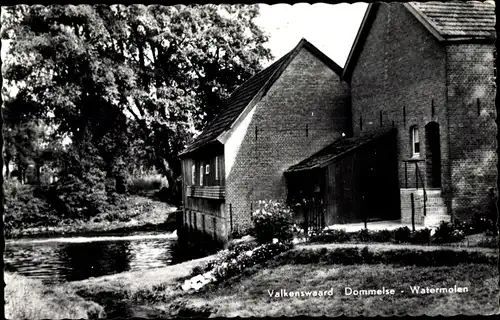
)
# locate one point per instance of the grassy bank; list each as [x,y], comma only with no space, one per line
[30,299]
[122,295]
[140,214]
[249,296]
[155,293]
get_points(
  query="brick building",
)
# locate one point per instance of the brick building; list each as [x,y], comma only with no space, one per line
[412,112]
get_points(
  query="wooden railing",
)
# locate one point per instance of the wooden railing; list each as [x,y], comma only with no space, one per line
[208,192]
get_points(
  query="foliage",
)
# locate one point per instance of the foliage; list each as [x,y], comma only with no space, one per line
[422,236]
[229,263]
[24,206]
[80,197]
[272,220]
[402,235]
[406,257]
[488,242]
[133,81]
[382,236]
[333,235]
[399,235]
[144,184]
[30,299]
[445,233]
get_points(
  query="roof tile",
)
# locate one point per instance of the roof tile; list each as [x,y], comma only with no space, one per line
[471,19]
[334,150]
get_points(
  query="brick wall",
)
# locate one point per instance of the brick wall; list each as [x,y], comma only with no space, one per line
[401,73]
[308,93]
[471,100]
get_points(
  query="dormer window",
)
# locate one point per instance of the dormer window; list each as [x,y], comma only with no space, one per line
[415,142]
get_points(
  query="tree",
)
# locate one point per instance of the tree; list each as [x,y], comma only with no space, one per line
[156,72]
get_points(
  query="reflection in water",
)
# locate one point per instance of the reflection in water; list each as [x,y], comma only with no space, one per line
[64,259]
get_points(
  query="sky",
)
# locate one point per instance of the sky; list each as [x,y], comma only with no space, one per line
[330,27]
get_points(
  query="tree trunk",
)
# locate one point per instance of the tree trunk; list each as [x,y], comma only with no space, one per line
[7,171]
[38,173]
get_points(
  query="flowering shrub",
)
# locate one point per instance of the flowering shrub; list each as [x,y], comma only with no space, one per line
[229,263]
[232,266]
[273,219]
[446,233]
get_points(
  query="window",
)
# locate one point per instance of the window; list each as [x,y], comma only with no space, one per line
[415,142]
[193,175]
[216,168]
[207,169]
[201,175]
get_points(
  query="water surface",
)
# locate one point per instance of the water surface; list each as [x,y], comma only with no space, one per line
[76,258]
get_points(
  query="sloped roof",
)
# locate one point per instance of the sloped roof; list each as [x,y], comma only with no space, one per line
[470,20]
[338,148]
[243,95]
[450,21]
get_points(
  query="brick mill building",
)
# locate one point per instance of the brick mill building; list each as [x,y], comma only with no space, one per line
[408,125]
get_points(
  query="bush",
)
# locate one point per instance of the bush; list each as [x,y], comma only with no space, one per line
[140,185]
[272,220]
[402,235]
[238,233]
[404,257]
[467,228]
[233,263]
[331,236]
[382,236]
[80,197]
[26,207]
[422,236]
[363,235]
[445,233]
[489,242]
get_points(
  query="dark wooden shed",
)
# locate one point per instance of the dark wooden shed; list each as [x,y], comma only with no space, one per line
[352,180]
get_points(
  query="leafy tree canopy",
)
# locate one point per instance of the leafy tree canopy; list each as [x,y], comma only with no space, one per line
[132,81]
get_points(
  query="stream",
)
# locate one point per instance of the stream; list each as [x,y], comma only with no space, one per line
[55,260]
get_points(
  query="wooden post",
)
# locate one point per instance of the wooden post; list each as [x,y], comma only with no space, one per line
[215,227]
[416,175]
[306,221]
[231,216]
[251,211]
[365,219]
[412,212]
[404,116]
[360,123]
[406,175]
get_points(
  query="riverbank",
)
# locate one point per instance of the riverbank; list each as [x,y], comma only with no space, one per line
[155,293]
[140,214]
